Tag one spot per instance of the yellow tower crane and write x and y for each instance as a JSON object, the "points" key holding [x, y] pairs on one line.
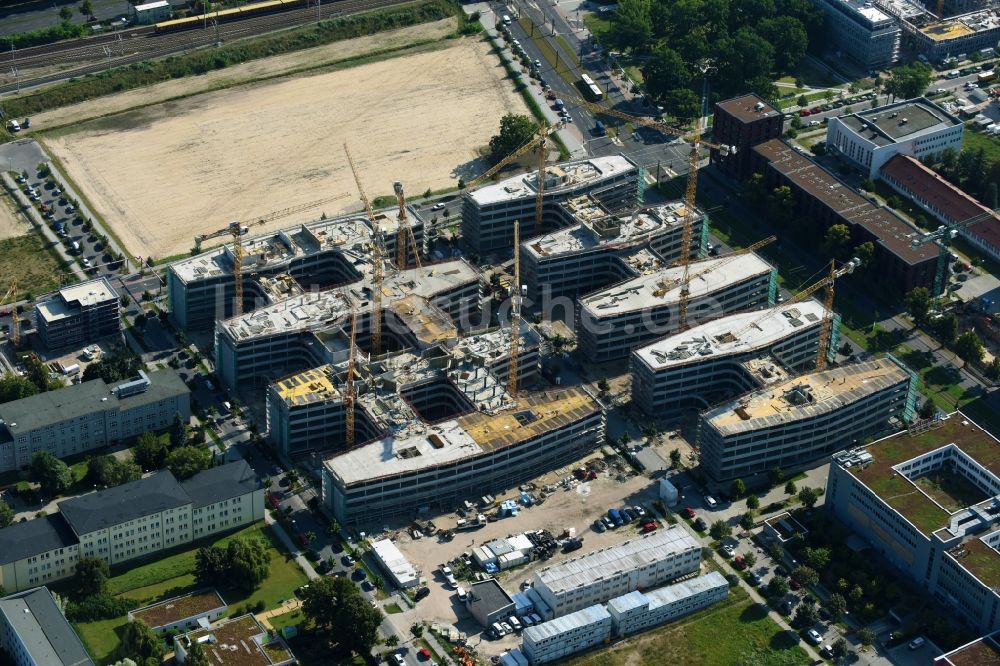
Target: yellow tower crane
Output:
{"points": [[405, 232], [15, 320], [515, 314], [350, 398], [827, 325], [237, 230], [376, 332], [690, 192]]}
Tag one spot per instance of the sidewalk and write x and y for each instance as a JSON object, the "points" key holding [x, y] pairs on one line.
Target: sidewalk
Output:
{"points": [[279, 531], [287, 606]]}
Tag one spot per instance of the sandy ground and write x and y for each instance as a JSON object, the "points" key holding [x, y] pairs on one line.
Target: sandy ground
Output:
{"points": [[11, 222], [578, 508], [245, 73], [163, 174]]}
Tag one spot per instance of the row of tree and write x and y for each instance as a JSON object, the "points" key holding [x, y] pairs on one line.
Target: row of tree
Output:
{"points": [[747, 42], [37, 378], [243, 564], [341, 615]]}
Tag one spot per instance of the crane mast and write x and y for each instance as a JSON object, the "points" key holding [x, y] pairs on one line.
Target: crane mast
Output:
{"points": [[540, 189], [15, 321], [405, 232], [515, 313], [376, 332], [349, 395]]}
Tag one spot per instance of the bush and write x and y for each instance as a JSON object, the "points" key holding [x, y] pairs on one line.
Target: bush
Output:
{"points": [[98, 607]]}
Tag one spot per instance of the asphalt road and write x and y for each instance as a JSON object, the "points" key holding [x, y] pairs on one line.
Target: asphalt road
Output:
{"points": [[28, 16]]}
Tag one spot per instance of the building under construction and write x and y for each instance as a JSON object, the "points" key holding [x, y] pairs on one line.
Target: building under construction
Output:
{"points": [[601, 246], [727, 357], [963, 26], [313, 256], [614, 321], [795, 422], [489, 212], [423, 307]]}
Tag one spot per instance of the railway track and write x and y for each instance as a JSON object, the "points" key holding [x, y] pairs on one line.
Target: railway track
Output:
{"points": [[104, 52]]}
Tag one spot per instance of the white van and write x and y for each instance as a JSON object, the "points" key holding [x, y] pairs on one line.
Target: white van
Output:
{"points": [[460, 591], [506, 20], [451, 581]]}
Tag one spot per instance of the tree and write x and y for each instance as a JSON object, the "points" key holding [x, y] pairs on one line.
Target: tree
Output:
{"points": [[321, 601], [664, 72], [947, 328], [186, 461], [781, 205], [515, 131], [866, 636], [969, 347], [87, 8], [918, 303], [359, 624], [675, 457], [6, 514], [802, 101], [808, 497], [15, 387], [720, 529], [790, 488], [840, 649], [682, 103], [865, 252], [107, 472], [417, 629], [248, 563], [992, 199], [53, 474], [631, 26], [806, 576], [817, 558], [837, 240], [66, 14], [150, 451], [392, 641], [121, 364], [92, 576], [746, 520], [908, 81], [777, 587], [806, 615], [776, 476], [750, 558], [138, 640], [196, 656], [178, 432], [789, 39], [753, 502], [737, 489], [603, 386], [993, 369], [836, 605], [210, 565]]}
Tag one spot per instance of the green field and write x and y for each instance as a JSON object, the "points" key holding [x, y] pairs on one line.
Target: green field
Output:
{"points": [[174, 575], [989, 144], [35, 266], [736, 631]]}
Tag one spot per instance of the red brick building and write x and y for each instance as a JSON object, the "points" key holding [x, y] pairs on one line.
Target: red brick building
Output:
{"points": [[743, 122]]}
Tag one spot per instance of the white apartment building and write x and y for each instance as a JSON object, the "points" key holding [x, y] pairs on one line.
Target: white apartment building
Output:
{"points": [[489, 212], [128, 522], [729, 356], [916, 127], [614, 321], [87, 416], [945, 543], [795, 422], [862, 32], [636, 611], [640, 563], [599, 247], [566, 635]]}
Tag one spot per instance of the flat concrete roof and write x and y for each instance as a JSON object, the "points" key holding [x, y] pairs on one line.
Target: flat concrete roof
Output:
{"points": [[301, 313], [69, 300], [424, 446], [558, 177], [719, 337], [962, 26], [894, 123], [664, 287], [598, 227], [805, 396], [582, 618], [748, 108]]}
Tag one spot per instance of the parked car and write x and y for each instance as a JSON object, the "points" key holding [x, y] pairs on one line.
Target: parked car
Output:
{"points": [[917, 643], [700, 524], [689, 513], [421, 593], [649, 527], [813, 636], [423, 654], [627, 515], [711, 502], [398, 659], [794, 584], [639, 511], [599, 526], [347, 560]]}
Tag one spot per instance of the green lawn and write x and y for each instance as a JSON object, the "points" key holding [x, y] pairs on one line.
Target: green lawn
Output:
{"points": [[174, 575], [735, 631], [33, 263], [279, 622], [597, 26]]}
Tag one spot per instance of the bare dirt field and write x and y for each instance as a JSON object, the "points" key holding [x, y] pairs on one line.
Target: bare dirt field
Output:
{"points": [[162, 174], [577, 508], [12, 223]]}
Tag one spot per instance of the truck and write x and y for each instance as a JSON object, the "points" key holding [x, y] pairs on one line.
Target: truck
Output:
{"points": [[471, 524], [986, 77]]}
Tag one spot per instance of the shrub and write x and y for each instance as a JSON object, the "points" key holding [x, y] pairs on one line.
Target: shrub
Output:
{"points": [[98, 607]]}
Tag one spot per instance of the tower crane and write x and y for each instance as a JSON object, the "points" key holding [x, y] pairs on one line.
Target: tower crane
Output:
{"points": [[237, 230], [515, 313], [405, 230], [943, 236], [349, 395], [827, 324], [15, 321], [376, 332], [690, 191]]}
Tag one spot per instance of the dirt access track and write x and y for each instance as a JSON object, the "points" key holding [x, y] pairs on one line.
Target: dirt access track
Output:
{"points": [[162, 174]]}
